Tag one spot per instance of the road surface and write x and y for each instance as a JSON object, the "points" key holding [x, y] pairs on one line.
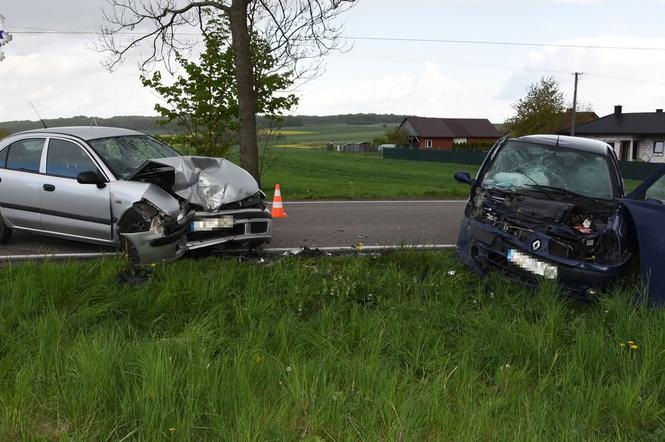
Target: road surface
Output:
{"points": [[317, 224]]}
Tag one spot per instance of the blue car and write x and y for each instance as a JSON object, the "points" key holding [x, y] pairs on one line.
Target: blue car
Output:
{"points": [[553, 207]]}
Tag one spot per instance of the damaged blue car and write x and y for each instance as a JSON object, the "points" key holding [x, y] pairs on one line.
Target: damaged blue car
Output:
{"points": [[553, 207]]}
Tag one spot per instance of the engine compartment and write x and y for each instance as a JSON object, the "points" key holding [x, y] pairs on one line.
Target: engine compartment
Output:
{"points": [[577, 228]]}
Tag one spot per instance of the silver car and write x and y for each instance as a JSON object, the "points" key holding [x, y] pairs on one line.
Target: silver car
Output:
{"points": [[121, 187]]}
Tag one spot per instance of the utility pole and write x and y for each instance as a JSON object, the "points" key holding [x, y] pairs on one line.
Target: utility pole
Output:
{"points": [[572, 124]]}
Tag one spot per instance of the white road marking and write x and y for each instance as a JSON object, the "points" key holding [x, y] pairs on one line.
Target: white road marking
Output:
{"points": [[375, 202], [278, 250], [56, 256], [335, 249]]}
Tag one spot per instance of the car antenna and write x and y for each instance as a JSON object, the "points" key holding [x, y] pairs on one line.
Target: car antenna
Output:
{"points": [[38, 116], [557, 140]]}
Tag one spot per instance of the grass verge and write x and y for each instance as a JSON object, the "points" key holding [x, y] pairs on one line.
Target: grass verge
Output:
{"points": [[376, 348]]}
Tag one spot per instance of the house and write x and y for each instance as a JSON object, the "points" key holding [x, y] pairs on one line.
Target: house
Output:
{"points": [[580, 118], [444, 133], [635, 136]]}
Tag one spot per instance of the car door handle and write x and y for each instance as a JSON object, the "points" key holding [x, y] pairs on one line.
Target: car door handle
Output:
{"points": [[48, 187]]}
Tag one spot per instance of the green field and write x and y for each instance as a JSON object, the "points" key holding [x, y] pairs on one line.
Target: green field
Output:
{"points": [[392, 347], [306, 171], [319, 135], [316, 174]]}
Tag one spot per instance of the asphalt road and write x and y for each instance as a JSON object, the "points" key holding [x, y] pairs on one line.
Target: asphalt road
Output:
{"points": [[317, 224]]}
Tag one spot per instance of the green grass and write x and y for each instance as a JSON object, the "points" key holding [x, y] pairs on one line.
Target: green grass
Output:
{"points": [[373, 348], [316, 174]]}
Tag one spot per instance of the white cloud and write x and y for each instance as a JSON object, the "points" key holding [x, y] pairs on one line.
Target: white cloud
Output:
{"points": [[69, 81], [632, 78], [423, 90]]}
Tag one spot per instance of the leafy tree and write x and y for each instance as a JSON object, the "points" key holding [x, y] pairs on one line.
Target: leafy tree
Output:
{"points": [[298, 32], [204, 102], [377, 141], [397, 136], [541, 110]]}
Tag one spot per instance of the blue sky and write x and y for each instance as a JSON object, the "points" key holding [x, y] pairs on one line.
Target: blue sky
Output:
{"points": [[63, 77]]}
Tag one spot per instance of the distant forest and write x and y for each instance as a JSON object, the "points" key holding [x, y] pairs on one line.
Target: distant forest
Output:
{"points": [[152, 126]]}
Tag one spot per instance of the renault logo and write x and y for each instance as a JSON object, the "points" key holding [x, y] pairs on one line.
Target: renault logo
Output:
{"points": [[535, 246]]}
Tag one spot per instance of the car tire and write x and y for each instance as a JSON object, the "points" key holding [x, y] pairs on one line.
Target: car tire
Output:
{"points": [[5, 232], [131, 222]]}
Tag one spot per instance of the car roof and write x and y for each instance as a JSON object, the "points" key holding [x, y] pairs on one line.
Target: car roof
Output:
{"points": [[84, 132], [577, 143]]}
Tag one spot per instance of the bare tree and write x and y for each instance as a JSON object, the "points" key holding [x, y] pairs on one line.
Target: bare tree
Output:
{"points": [[299, 33]]}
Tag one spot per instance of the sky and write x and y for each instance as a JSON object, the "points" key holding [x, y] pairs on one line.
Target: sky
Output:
{"points": [[64, 76]]}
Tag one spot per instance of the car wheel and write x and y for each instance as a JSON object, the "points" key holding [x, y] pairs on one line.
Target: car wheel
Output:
{"points": [[131, 222], [5, 232]]}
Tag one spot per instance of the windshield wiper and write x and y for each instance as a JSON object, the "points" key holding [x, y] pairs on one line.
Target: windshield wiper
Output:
{"points": [[561, 191]]}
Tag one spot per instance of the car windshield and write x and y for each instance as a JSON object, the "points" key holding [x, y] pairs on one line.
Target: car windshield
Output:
{"points": [[124, 154], [520, 165]]}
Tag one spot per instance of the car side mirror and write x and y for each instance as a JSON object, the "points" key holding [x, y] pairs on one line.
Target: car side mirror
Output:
{"points": [[464, 177], [91, 177]]}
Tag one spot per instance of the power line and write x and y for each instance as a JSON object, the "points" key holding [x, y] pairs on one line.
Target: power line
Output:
{"points": [[37, 31], [546, 70], [508, 43]]}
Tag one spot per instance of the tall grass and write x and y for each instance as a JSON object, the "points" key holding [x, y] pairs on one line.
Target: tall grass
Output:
{"points": [[374, 348]]}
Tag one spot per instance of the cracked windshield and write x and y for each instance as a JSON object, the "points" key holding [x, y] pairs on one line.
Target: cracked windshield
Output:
{"points": [[522, 165]]}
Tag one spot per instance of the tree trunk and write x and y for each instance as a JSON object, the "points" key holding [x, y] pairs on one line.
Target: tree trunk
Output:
{"points": [[249, 149]]}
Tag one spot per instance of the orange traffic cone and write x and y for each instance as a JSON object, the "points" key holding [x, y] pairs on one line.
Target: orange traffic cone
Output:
{"points": [[277, 207]]}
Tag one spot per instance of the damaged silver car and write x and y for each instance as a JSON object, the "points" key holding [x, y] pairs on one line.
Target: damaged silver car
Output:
{"points": [[120, 187]]}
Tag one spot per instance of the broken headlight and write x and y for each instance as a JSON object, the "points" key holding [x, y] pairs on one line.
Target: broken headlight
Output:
{"points": [[254, 201]]}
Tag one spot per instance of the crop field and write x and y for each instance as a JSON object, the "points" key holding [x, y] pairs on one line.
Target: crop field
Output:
{"points": [[319, 135], [405, 346]]}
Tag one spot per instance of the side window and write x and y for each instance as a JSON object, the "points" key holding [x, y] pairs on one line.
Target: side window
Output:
{"points": [[657, 190], [25, 155], [67, 159], [3, 156]]}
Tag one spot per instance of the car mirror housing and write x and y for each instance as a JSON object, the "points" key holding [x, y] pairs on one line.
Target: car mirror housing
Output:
{"points": [[91, 177], [464, 177]]}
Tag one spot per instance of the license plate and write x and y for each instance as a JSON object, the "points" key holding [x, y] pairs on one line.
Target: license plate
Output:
{"points": [[532, 265], [203, 225]]}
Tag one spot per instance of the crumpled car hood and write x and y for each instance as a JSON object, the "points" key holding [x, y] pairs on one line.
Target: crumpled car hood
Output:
{"points": [[205, 181]]}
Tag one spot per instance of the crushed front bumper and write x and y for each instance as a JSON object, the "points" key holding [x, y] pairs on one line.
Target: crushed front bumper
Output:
{"points": [[241, 226], [153, 247], [484, 248]]}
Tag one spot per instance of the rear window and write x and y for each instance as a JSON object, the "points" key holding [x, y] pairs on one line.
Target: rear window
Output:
{"points": [[25, 155]]}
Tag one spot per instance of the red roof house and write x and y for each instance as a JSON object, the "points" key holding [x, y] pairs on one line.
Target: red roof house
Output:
{"points": [[444, 133]]}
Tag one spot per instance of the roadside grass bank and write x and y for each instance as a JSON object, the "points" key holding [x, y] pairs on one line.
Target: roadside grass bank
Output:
{"points": [[393, 347], [306, 174]]}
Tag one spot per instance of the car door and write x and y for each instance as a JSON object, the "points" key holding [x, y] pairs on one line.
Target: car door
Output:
{"points": [[67, 206], [646, 205], [20, 182]]}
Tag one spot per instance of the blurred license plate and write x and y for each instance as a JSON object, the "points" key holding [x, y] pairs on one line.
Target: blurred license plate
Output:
{"points": [[532, 265], [224, 222]]}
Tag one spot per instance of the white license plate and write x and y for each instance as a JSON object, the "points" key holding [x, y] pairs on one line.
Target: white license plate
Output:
{"points": [[224, 222], [532, 265]]}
